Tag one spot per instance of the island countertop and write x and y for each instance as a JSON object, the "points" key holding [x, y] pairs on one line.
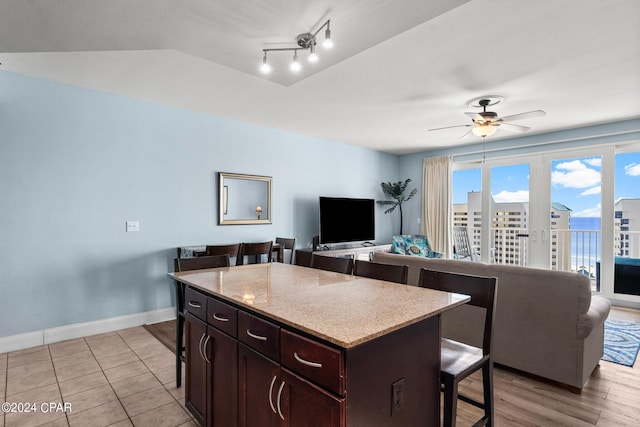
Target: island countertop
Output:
{"points": [[342, 309]]}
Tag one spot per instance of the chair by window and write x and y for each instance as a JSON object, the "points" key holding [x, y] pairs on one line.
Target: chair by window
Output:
{"points": [[303, 258], [286, 244], [461, 245], [329, 263], [254, 252], [459, 360], [186, 264], [375, 270]]}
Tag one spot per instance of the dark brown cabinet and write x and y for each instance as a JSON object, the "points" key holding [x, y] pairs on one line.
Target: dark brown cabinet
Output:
{"points": [[273, 396], [258, 388], [197, 390], [247, 370], [304, 404], [211, 392]]}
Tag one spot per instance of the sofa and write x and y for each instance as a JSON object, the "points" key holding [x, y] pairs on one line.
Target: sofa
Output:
{"points": [[547, 323]]}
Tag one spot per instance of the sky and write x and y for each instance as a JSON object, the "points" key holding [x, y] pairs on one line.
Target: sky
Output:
{"points": [[574, 182]]}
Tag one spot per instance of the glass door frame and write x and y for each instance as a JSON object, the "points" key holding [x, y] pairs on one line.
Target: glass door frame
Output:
{"points": [[539, 250]]}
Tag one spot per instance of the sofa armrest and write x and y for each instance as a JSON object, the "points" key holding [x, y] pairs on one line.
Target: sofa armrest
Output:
{"points": [[598, 312]]}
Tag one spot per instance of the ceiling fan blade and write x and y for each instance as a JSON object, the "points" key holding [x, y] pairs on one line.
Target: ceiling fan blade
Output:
{"points": [[464, 136], [521, 116], [514, 128], [451, 127], [475, 117]]}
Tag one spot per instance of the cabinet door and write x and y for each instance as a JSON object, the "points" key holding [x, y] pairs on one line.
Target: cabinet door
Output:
{"points": [[223, 351], [196, 391], [305, 404], [258, 384]]}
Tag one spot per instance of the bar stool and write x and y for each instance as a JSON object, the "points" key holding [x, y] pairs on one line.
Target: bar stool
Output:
{"points": [[459, 360]]}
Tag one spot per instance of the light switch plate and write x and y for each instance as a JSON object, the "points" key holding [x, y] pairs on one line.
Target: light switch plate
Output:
{"points": [[133, 226]]}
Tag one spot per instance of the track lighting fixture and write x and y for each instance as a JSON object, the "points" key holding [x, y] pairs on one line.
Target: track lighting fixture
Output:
{"points": [[305, 41]]}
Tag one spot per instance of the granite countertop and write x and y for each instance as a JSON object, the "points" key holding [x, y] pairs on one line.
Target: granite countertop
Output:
{"points": [[342, 309]]}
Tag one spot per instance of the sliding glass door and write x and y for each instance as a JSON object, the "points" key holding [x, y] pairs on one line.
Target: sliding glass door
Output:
{"points": [[575, 210]]}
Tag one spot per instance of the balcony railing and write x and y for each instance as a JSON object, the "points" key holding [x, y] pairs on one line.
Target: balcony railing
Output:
{"points": [[571, 249]]}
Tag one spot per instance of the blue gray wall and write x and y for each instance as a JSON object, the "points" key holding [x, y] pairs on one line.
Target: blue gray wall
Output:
{"points": [[75, 164]]}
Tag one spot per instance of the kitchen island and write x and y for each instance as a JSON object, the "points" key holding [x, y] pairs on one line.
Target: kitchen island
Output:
{"points": [[278, 344]]}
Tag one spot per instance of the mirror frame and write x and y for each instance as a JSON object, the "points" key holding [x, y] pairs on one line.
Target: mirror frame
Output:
{"points": [[222, 194]]}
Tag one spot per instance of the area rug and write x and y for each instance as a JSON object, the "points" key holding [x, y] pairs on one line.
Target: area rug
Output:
{"points": [[165, 332], [621, 341]]}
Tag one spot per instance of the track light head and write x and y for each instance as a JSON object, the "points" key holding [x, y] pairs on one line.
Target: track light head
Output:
{"points": [[327, 43], [265, 67], [295, 65]]}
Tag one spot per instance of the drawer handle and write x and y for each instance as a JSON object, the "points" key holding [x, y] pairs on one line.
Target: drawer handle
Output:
{"points": [[279, 400], [194, 304], [258, 337], [306, 362], [219, 318], [273, 381]]}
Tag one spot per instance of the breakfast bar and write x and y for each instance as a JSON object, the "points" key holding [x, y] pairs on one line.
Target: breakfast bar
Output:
{"points": [[278, 344]]}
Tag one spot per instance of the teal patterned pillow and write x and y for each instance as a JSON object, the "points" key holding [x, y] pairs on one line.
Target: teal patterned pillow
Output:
{"points": [[412, 245]]}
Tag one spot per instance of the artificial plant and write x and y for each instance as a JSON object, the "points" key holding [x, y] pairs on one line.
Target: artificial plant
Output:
{"points": [[397, 192]]}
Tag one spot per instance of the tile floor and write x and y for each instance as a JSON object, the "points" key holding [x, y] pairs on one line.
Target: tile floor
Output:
{"points": [[122, 378]]}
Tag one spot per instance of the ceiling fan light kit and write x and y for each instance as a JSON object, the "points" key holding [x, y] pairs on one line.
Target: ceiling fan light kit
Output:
{"points": [[305, 41], [486, 123]]}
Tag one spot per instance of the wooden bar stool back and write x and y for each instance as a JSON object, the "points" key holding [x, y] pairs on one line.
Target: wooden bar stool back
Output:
{"points": [[285, 244], [231, 250], [330, 263], [254, 252], [375, 270], [459, 360]]}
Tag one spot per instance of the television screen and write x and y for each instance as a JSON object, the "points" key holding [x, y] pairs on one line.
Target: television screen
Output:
{"points": [[346, 220]]}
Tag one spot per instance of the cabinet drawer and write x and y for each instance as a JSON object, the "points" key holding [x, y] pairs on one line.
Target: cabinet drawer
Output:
{"points": [[222, 316], [259, 334], [317, 362], [195, 303]]}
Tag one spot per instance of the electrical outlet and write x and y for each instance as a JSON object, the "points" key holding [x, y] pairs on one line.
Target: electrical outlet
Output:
{"points": [[397, 396], [133, 226]]}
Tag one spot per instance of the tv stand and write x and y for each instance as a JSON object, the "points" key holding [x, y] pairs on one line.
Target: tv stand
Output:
{"points": [[361, 252]]}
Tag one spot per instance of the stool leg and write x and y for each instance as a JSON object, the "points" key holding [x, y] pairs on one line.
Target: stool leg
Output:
{"points": [[450, 401], [487, 386], [179, 347]]}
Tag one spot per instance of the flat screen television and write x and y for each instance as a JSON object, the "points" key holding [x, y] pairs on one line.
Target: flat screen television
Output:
{"points": [[346, 220]]}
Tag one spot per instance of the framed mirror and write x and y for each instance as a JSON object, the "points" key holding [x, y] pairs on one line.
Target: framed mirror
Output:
{"points": [[244, 199]]}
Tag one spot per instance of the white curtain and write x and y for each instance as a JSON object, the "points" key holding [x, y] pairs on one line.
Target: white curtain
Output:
{"points": [[436, 203]]}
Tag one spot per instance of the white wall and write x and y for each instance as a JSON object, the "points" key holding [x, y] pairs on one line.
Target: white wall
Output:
{"points": [[75, 164]]}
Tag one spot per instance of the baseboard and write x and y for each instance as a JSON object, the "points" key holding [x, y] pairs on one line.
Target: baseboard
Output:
{"points": [[77, 330]]}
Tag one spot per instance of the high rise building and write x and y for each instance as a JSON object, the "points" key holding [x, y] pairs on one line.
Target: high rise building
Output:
{"points": [[510, 223], [627, 228]]}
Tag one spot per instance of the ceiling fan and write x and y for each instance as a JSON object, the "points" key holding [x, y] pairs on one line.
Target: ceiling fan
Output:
{"points": [[486, 123]]}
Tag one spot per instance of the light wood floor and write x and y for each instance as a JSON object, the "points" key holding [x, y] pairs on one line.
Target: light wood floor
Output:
{"points": [[611, 397]]}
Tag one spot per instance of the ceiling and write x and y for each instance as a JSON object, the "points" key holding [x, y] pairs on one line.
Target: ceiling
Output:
{"points": [[397, 68]]}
